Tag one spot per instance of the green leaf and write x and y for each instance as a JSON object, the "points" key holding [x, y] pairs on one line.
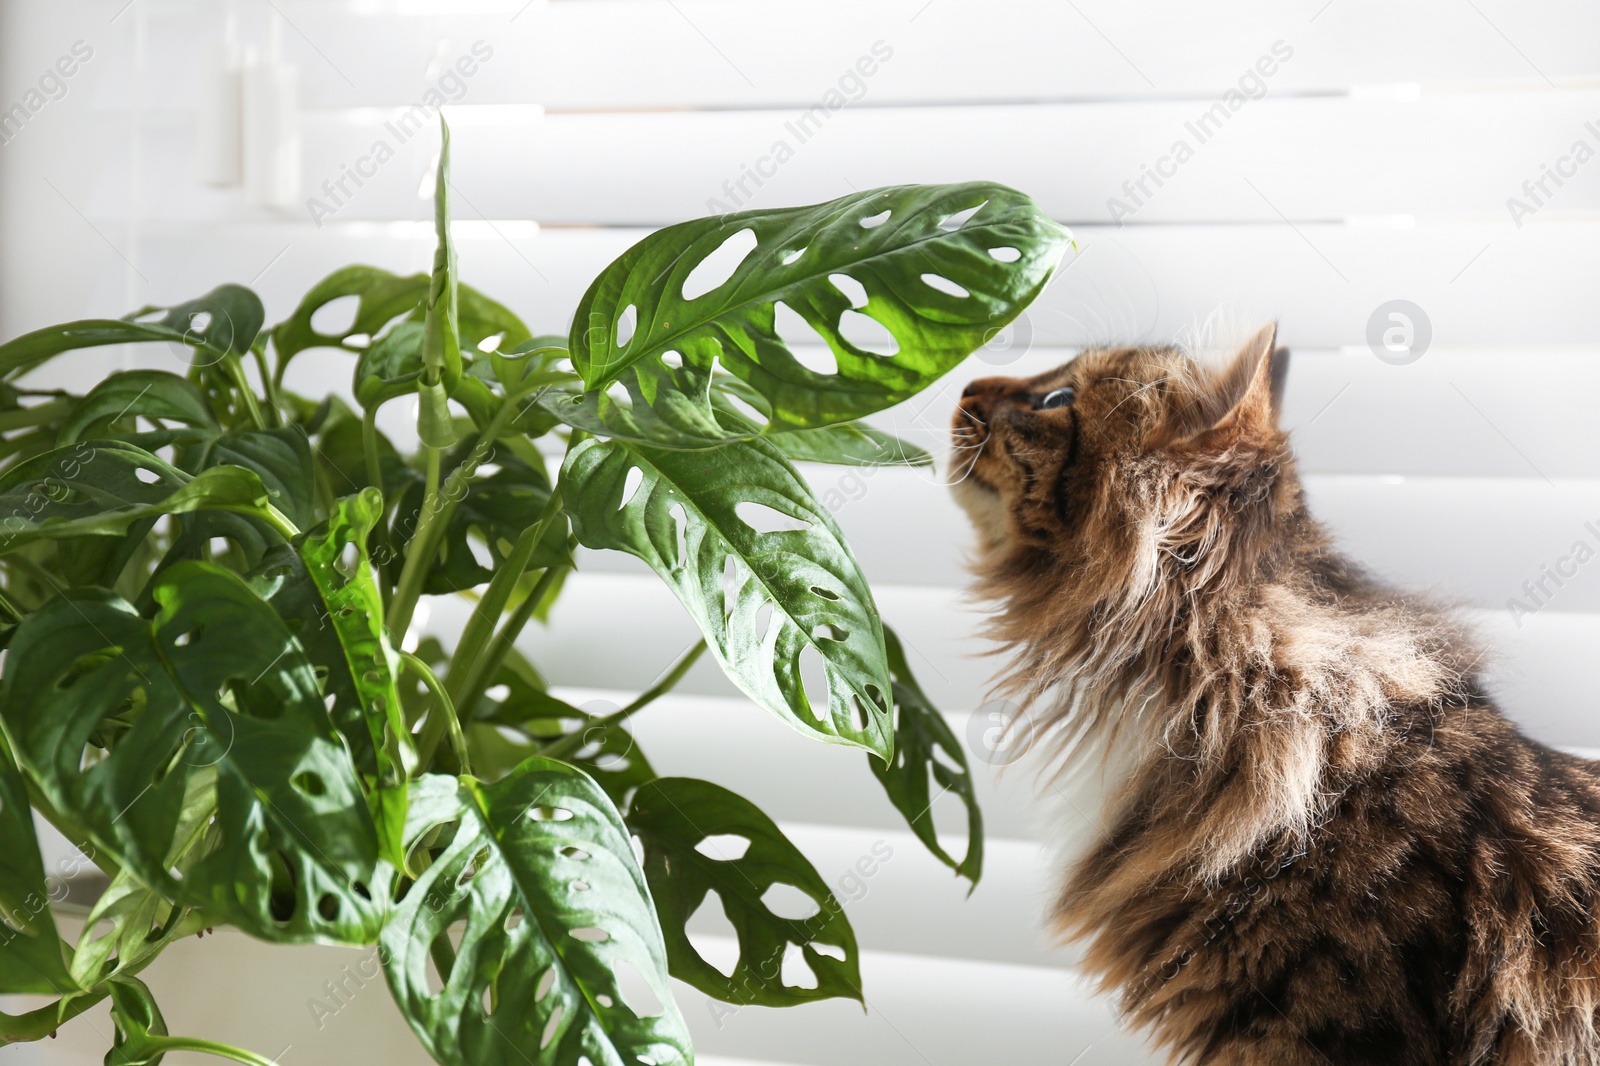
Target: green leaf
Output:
{"points": [[441, 345], [223, 322], [152, 394], [280, 457], [335, 555], [106, 488], [504, 732], [890, 241], [673, 816], [213, 692], [925, 747], [381, 298], [541, 871], [683, 520], [31, 952], [850, 444], [138, 1025]]}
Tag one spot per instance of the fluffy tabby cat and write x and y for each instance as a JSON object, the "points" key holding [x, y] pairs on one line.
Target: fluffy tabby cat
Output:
{"points": [[1326, 845]]}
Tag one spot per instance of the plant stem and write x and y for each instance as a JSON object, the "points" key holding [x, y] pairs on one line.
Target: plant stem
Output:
{"points": [[464, 665], [40, 1023], [272, 516], [425, 542], [268, 386], [206, 1047], [565, 746], [441, 717], [42, 415], [235, 369], [484, 669]]}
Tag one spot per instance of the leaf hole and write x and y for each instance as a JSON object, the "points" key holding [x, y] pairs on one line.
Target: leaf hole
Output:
{"points": [[797, 971], [672, 360], [605, 1000], [832, 951], [765, 519], [944, 285], [713, 936], [549, 814], [627, 324], [590, 934], [814, 681], [1005, 254], [183, 640], [498, 692], [149, 477], [218, 546], [336, 317], [868, 334], [829, 631], [199, 322], [580, 886], [492, 342], [853, 290], [630, 485], [724, 847], [358, 340], [951, 223], [577, 854], [793, 257], [546, 983], [309, 783], [328, 907], [787, 901], [716, 269], [680, 522], [874, 221], [636, 992], [552, 1025]]}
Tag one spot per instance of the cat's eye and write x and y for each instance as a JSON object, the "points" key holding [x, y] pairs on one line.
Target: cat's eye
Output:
{"points": [[1057, 398]]}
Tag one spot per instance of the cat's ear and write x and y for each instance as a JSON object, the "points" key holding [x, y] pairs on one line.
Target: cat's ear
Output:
{"points": [[1242, 405]]}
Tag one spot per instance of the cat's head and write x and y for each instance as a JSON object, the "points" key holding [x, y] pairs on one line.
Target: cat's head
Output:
{"points": [[1123, 485]]}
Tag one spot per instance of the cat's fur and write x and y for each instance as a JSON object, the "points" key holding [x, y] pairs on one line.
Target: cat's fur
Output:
{"points": [[1327, 846]]}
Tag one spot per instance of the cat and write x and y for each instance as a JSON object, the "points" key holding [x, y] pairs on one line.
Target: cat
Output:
{"points": [[1325, 846]]}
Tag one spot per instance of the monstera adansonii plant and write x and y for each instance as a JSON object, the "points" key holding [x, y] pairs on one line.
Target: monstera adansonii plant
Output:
{"points": [[207, 582]]}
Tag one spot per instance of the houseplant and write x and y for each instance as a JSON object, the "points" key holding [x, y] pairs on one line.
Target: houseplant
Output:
{"points": [[206, 580]]}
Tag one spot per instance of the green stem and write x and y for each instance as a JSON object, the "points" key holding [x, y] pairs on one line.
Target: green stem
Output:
{"points": [[423, 545], [235, 369], [425, 542], [464, 665], [565, 746], [272, 516], [40, 1023], [487, 665], [42, 415], [268, 386], [441, 717], [206, 1047]]}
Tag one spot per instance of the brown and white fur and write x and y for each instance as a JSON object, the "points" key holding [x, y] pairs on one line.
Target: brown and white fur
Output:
{"points": [[1326, 845]]}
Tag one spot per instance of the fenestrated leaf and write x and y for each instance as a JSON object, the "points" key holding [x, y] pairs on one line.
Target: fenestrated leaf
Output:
{"points": [[925, 747], [32, 958], [381, 298], [850, 444], [541, 871], [335, 555], [683, 520], [503, 732], [106, 488], [152, 394], [223, 322], [673, 817], [938, 280], [213, 692]]}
